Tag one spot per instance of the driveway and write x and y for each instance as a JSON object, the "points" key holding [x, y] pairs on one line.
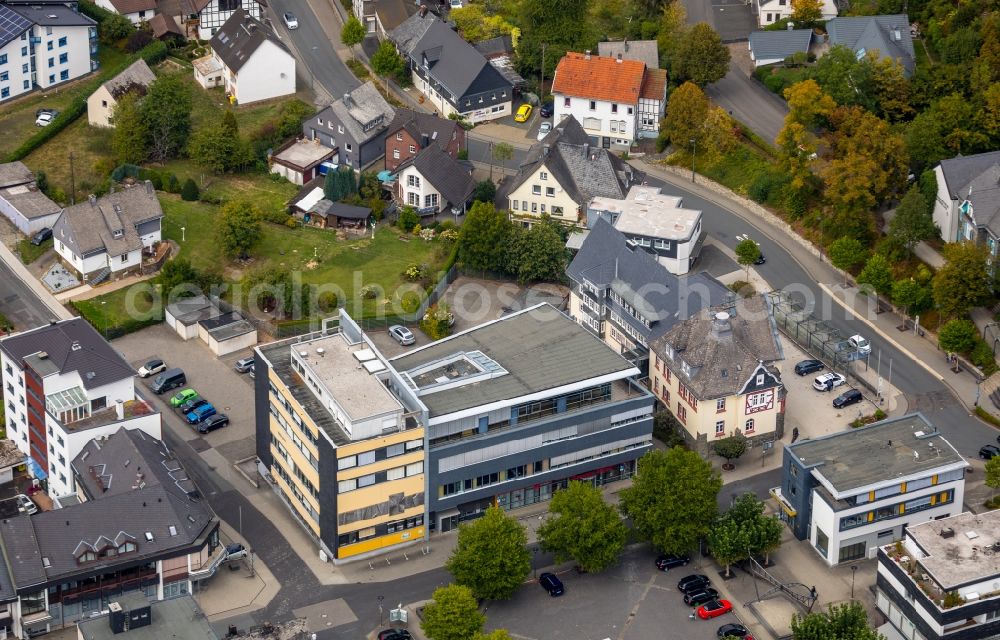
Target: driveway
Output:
{"points": [[750, 102]]}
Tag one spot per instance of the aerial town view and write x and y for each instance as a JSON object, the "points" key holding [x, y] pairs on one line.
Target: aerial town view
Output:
{"points": [[500, 319]]}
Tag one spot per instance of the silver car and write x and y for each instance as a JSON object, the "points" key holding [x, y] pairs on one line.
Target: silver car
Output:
{"points": [[291, 21], [402, 335], [243, 365]]}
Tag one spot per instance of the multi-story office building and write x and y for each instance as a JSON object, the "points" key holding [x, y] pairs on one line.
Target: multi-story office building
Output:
{"points": [[943, 581], [851, 492], [371, 452], [64, 386]]}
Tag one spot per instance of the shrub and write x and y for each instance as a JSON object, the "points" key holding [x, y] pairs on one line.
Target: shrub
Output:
{"points": [[368, 292], [445, 225], [958, 336], [667, 430], [435, 322], [410, 302], [463, 154], [291, 222], [156, 181], [138, 40], [743, 288], [982, 356], [408, 219], [189, 191], [415, 272], [173, 184], [275, 216], [327, 301]]}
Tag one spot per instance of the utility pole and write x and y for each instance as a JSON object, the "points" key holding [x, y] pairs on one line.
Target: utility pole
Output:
{"points": [[72, 181], [541, 85]]}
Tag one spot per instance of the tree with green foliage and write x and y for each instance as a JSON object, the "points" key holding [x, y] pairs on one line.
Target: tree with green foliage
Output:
{"points": [[841, 622], [386, 62], [583, 528], [238, 227], [877, 275], [993, 473], [537, 254], [496, 634], [728, 541], [702, 57], [476, 24], [491, 557], [115, 27], [672, 500], [846, 253], [178, 278], [730, 447], [747, 252], [332, 187], [453, 614], [744, 529], [912, 222], [408, 219], [131, 131], [189, 192], [484, 238], [913, 296], [166, 109], [958, 335], [218, 148], [845, 78], [353, 33], [561, 25], [964, 280], [485, 191], [502, 151], [672, 29]]}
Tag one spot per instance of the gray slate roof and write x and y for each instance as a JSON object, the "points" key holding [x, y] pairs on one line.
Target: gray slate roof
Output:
{"points": [[192, 309], [89, 226], [348, 211], [978, 179], [175, 618], [890, 35], [54, 15], [540, 348], [418, 123], [499, 46], [644, 51], [137, 76], [447, 175], [238, 38], [608, 260], [723, 356], [365, 104], [768, 45], [409, 33], [14, 173], [96, 361]]}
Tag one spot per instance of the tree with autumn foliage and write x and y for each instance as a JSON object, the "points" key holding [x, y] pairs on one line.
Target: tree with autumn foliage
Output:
{"points": [[687, 110], [808, 104], [808, 109]]}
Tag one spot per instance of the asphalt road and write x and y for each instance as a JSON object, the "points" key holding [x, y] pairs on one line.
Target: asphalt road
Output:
{"points": [[19, 303], [750, 102], [479, 151]]}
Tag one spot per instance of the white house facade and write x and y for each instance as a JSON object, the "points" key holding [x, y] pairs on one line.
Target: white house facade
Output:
{"points": [[771, 11], [253, 63]]}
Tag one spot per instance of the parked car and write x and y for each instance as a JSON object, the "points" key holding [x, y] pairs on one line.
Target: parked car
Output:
{"points": [[169, 379], [700, 597], [987, 451], [552, 584], [692, 583], [714, 609], [828, 381], [860, 344], [217, 421], [235, 551], [43, 234], [182, 397], [200, 413], [253, 371], [26, 504], [806, 367], [402, 335], [849, 397], [153, 366], [523, 113], [394, 634], [290, 20], [45, 118], [669, 561], [192, 404], [544, 130], [546, 110], [734, 631], [243, 364]]}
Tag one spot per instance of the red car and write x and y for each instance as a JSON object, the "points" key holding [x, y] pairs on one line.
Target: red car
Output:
{"points": [[714, 609]]}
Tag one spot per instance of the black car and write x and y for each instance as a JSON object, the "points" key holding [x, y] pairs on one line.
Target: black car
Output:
{"points": [[191, 405], [552, 584], [692, 583], [217, 421], [670, 561], [698, 598], [806, 367], [760, 259], [43, 234], [394, 634], [734, 631], [849, 397], [988, 451], [546, 110]]}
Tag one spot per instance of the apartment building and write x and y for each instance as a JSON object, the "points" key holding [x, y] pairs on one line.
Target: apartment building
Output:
{"points": [[851, 492], [64, 386], [943, 581]]}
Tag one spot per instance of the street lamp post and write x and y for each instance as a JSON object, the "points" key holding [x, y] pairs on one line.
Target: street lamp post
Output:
{"points": [[380, 599], [105, 316], [694, 150], [854, 571], [182, 233]]}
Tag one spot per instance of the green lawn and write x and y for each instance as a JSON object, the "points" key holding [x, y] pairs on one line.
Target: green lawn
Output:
{"points": [[29, 252], [120, 311]]}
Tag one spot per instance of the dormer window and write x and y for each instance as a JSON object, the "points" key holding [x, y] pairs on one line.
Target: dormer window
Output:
{"points": [[760, 379], [686, 368], [118, 233], [86, 556], [126, 547]]}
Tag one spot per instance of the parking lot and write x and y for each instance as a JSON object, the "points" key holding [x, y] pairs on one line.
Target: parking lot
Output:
{"points": [[632, 601]]}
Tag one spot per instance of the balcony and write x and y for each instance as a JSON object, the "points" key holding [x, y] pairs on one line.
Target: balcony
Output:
{"points": [[904, 567]]}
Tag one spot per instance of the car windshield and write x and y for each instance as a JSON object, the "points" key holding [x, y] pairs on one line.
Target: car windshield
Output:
{"points": [[862, 343]]}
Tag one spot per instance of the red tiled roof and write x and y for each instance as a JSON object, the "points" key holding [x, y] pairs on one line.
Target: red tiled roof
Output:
{"points": [[598, 78], [654, 84]]}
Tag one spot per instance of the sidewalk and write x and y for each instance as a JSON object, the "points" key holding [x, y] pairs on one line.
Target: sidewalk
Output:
{"points": [[21, 273], [86, 292]]}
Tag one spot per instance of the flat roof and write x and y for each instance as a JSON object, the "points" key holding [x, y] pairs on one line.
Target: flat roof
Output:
{"points": [[969, 554], [517, 355], [879, 453], [647, 212], [232, 330], [29, 201], [304, 153], [176, 618]]}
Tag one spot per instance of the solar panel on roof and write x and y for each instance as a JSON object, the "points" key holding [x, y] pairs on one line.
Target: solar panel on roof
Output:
{"points": [[12, 25]]}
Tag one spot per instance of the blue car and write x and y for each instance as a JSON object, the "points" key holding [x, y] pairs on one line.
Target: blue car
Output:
{"points": [[200, 413]]}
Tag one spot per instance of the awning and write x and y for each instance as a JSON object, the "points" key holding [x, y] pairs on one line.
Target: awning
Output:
{"points": [[36, 469], [784, 504]]}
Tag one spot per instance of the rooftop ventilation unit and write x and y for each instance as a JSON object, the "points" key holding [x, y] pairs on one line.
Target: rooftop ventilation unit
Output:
{"points": [[320, 351], [947, 532]]}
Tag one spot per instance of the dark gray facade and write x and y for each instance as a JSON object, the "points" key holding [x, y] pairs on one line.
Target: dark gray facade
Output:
{"points": [[361, 154], [262, 413], [797, 485]]}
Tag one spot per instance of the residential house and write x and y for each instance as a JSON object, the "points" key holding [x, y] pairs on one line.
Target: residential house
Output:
{"points": [[355, 125], [940, 583], [213, 14], [626, 297], [889, 35], [644, 51], [716, 373], [410, 132], [654, 222], [106, 236], [773, 47], [143, 534], [10, 457], [177, 618], [851, 492], [967, 206], [165, 28], [43, 46], [500, 53], [137, 11], [22, 202], [64, 387], [101, 104], [248, 59], [561, 174], [299, 161], [369, 451], [433, 181], [449, 72], [389, 14], [771, 11], [616, 100]]}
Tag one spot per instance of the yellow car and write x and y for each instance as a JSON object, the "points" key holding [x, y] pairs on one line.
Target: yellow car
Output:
{"points": [[523, 113]]}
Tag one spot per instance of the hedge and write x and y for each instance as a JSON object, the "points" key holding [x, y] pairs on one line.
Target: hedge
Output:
{"points": [[152, 54]]}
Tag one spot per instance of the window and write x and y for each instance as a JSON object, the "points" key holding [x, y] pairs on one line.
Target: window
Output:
{"points": [[399, 136], [413, 181], [720, 427], [397, 473], [517, 472], [853, 551], [630, 110], [24, 68], [431, 200], [413, 199], [52, 78], [593, 105], [347, 485], [395, 154], [748, 425], [366, 481], [534, 207], [542, 175], [62, 40], [543, 207], [51, 44], [394, 450], [24, 51], [536, 190], [5, 92], [4, 76], [513, 204], [822, 541], [566, 102], [760, 379], [52, 62], [3, 58], [524, 205], [614, 109], [415, 468], [347, 463], [614, 126], [682, 413], [340, 128], [720, 405], [368, 457], [413, 149], [63, 58], [557, 211], [349, 149]]}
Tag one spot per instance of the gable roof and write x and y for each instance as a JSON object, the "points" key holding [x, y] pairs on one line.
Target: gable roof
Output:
{"points": [[93, 357], [452, 180], [392, 13], [723, 346], [645, 51], [976, 179], [418, 123], [91, 226], [599, 78], [12, 25], [768, 45], [15, 173], [133, 6], [137, 76], [890, 35], [162, 25], [499, 46], [411, 31], [608, 260], [364, 106], [239, 37], [654, 84]]}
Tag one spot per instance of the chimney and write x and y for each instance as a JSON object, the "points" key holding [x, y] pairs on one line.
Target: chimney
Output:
{"points": [[619, 60], [586, 149], [721, 327], [424, 140], [586, 54], [791, 25], [545, 150], [347, 99], [120, 409], [626, 45], [149, 187]]}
